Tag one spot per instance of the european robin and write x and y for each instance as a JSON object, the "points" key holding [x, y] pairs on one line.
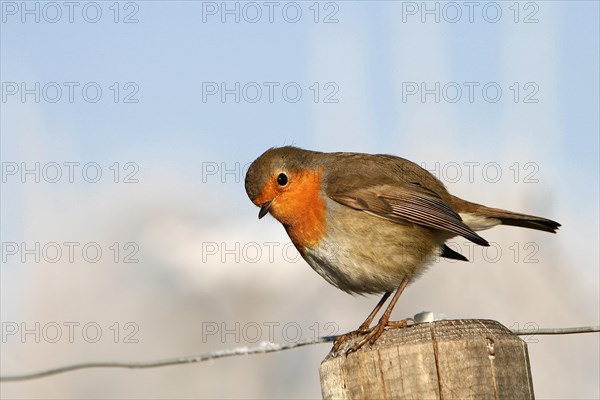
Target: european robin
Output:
{"points": [[368, 223]]}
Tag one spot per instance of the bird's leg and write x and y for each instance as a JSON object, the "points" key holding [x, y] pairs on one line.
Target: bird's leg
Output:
{"points": [[384, 321], [364, 327], [367, 323]]}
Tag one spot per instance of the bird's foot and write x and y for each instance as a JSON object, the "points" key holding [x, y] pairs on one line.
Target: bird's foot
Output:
{"points": [[362, 330], [374, 333]]}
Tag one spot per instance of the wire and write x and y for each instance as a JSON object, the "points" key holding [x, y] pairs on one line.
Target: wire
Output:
{"points": [[556, 331], [264, 347]]}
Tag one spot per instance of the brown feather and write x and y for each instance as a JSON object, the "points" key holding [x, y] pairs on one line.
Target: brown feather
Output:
{"points": [[506, 217], [408, 203]]}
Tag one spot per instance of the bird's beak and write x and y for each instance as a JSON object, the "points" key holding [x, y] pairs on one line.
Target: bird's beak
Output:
{"points": [[264, 209]]}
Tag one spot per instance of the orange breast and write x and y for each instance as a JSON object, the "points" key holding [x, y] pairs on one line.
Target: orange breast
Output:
{"points": [[301, 208]]}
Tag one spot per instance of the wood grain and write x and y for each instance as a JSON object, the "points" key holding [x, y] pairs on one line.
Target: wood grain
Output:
{"points": [[450, 359]]}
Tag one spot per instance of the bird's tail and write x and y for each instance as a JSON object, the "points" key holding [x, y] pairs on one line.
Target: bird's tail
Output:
{"points": [[479, 217]]}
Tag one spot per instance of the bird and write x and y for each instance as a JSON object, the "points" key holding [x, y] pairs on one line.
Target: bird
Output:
{"points": [[369, 223]]}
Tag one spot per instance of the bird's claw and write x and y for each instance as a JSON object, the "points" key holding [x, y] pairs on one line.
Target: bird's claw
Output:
{"points": [[371, 335], [341, 339]]}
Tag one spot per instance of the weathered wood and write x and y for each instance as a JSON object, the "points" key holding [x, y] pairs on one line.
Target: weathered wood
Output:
{"points": [[450, 359]]}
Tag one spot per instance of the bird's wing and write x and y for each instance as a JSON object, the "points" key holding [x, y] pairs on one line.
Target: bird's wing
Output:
{"points": [[408, 203]]}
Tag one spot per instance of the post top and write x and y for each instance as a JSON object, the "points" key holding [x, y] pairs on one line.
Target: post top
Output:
{"points": [[441, 331]]}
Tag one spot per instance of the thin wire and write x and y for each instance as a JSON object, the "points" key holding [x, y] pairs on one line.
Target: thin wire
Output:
{"points": [[556, 331], [263, 348]]}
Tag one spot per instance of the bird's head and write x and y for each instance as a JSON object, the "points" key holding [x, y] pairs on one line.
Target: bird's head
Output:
{"points": [[284, 181]]}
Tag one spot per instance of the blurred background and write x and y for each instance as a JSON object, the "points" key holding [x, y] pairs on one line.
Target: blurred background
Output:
{"points": [[127, 128]]}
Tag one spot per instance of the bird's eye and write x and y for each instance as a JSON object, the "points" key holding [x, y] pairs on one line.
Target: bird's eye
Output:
{"points": [[282, 179]]}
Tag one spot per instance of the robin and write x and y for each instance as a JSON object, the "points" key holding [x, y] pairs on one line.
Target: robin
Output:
{"points": [[369, 223]]}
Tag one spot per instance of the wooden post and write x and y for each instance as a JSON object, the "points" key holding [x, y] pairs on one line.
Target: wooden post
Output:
{"points": [[449, 359]]}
